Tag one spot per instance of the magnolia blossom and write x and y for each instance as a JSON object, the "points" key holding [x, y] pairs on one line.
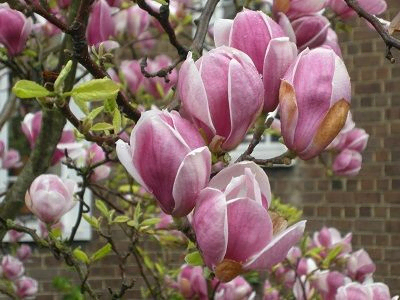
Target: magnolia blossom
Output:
{"points": [[101, 25], [14, 29], [347, 163], [31, 126], [241, 235], [222, 94], [50, 197], [360, 266], [311, 31], [11, 159], [168, 157], [299, 8], [327, 283], [313, 111], [27, 287], [95, 154], [192, 283], [236, 289], [11, 267], [132, 75], [24, 252], [331, 238]]}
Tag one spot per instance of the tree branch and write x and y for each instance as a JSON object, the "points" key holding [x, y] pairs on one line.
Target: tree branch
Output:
{"points": [[390, 41]]}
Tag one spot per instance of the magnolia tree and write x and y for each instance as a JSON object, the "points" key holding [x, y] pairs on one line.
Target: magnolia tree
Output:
{"points": [[152, 134]]}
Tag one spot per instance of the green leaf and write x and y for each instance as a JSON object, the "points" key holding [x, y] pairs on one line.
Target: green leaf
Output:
{"points": [[59, 83], [103, 251], [91, 220], [150, 221], [110, 105], [117, 120], [95, 112], [133, 223], [29, 89], [194, 259], [80, 255], [101, 206], [83, 106], [102, 126], [332, 254], [121, 219], [96, 89]]}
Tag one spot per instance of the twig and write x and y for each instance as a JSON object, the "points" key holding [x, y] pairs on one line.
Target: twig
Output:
{"points": [[284, 159], [164, 72], [390, 41], [202, 27], [163, 18]]}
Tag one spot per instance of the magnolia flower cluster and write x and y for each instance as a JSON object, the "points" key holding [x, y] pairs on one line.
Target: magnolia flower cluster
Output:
{"points": [[12, 272], [349, 144], [327, 268]]}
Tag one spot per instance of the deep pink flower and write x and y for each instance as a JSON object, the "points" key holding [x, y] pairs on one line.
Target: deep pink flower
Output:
{"points": [[314, 101], [347, 163], [311, 31], [101, 26], [14, 29], [192, 283], [11, 267], [240, 237], [168, 157], [27, 287], [222, 94], [341, 8], [360, 265]]}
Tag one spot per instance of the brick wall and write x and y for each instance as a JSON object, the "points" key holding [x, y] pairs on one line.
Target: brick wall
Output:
{"points": [[368, 205]]}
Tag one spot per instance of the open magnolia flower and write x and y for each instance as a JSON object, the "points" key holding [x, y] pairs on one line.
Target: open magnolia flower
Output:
{"points": [[242, 235]]}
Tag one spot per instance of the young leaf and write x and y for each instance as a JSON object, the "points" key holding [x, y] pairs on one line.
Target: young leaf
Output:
{"points": [[91, 220], [80, 255], [101, 206], [194, 259], [103, 251], [96, 89], [110, 105], [29, 89], [95, 112], [101, 126], [121, 219], [58, 84], [150, 221], [117, 120]]}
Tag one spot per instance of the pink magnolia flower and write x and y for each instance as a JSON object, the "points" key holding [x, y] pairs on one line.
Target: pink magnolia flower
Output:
{"points": [[270, 293], [95, 154], [50, 197], [14, 29], [31, 126], [353, 291], [222, 94], [311, 31], [330, 238], [27, 287], [313, 111], [192, 283], [250, 32], [347, 163], [341, 8], [130, 70], [340, 139], [11, 267], [241, 236], [133, 21], [157, 86], [236, 289], [355, 139], [168, 157], [327, 283], [101, 25], [332, 42], [360, 266], [24, 252]]}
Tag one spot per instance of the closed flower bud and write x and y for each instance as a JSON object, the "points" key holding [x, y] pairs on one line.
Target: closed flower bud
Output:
{"points": [[355, 139], [222, 94], [50, 197], [130, 70], [347, 163], [27, 287], [168, 157], [101, 25], [11, 159], [240, 237], [311, 31], [11, 267], [94, 155], [250, 32], [314, 101], [236, 289], [299, 8], [14, 30]]}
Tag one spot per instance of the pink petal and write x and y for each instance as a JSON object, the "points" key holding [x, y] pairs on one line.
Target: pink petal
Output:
{"points": [[222, 31], [277, 249]]}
